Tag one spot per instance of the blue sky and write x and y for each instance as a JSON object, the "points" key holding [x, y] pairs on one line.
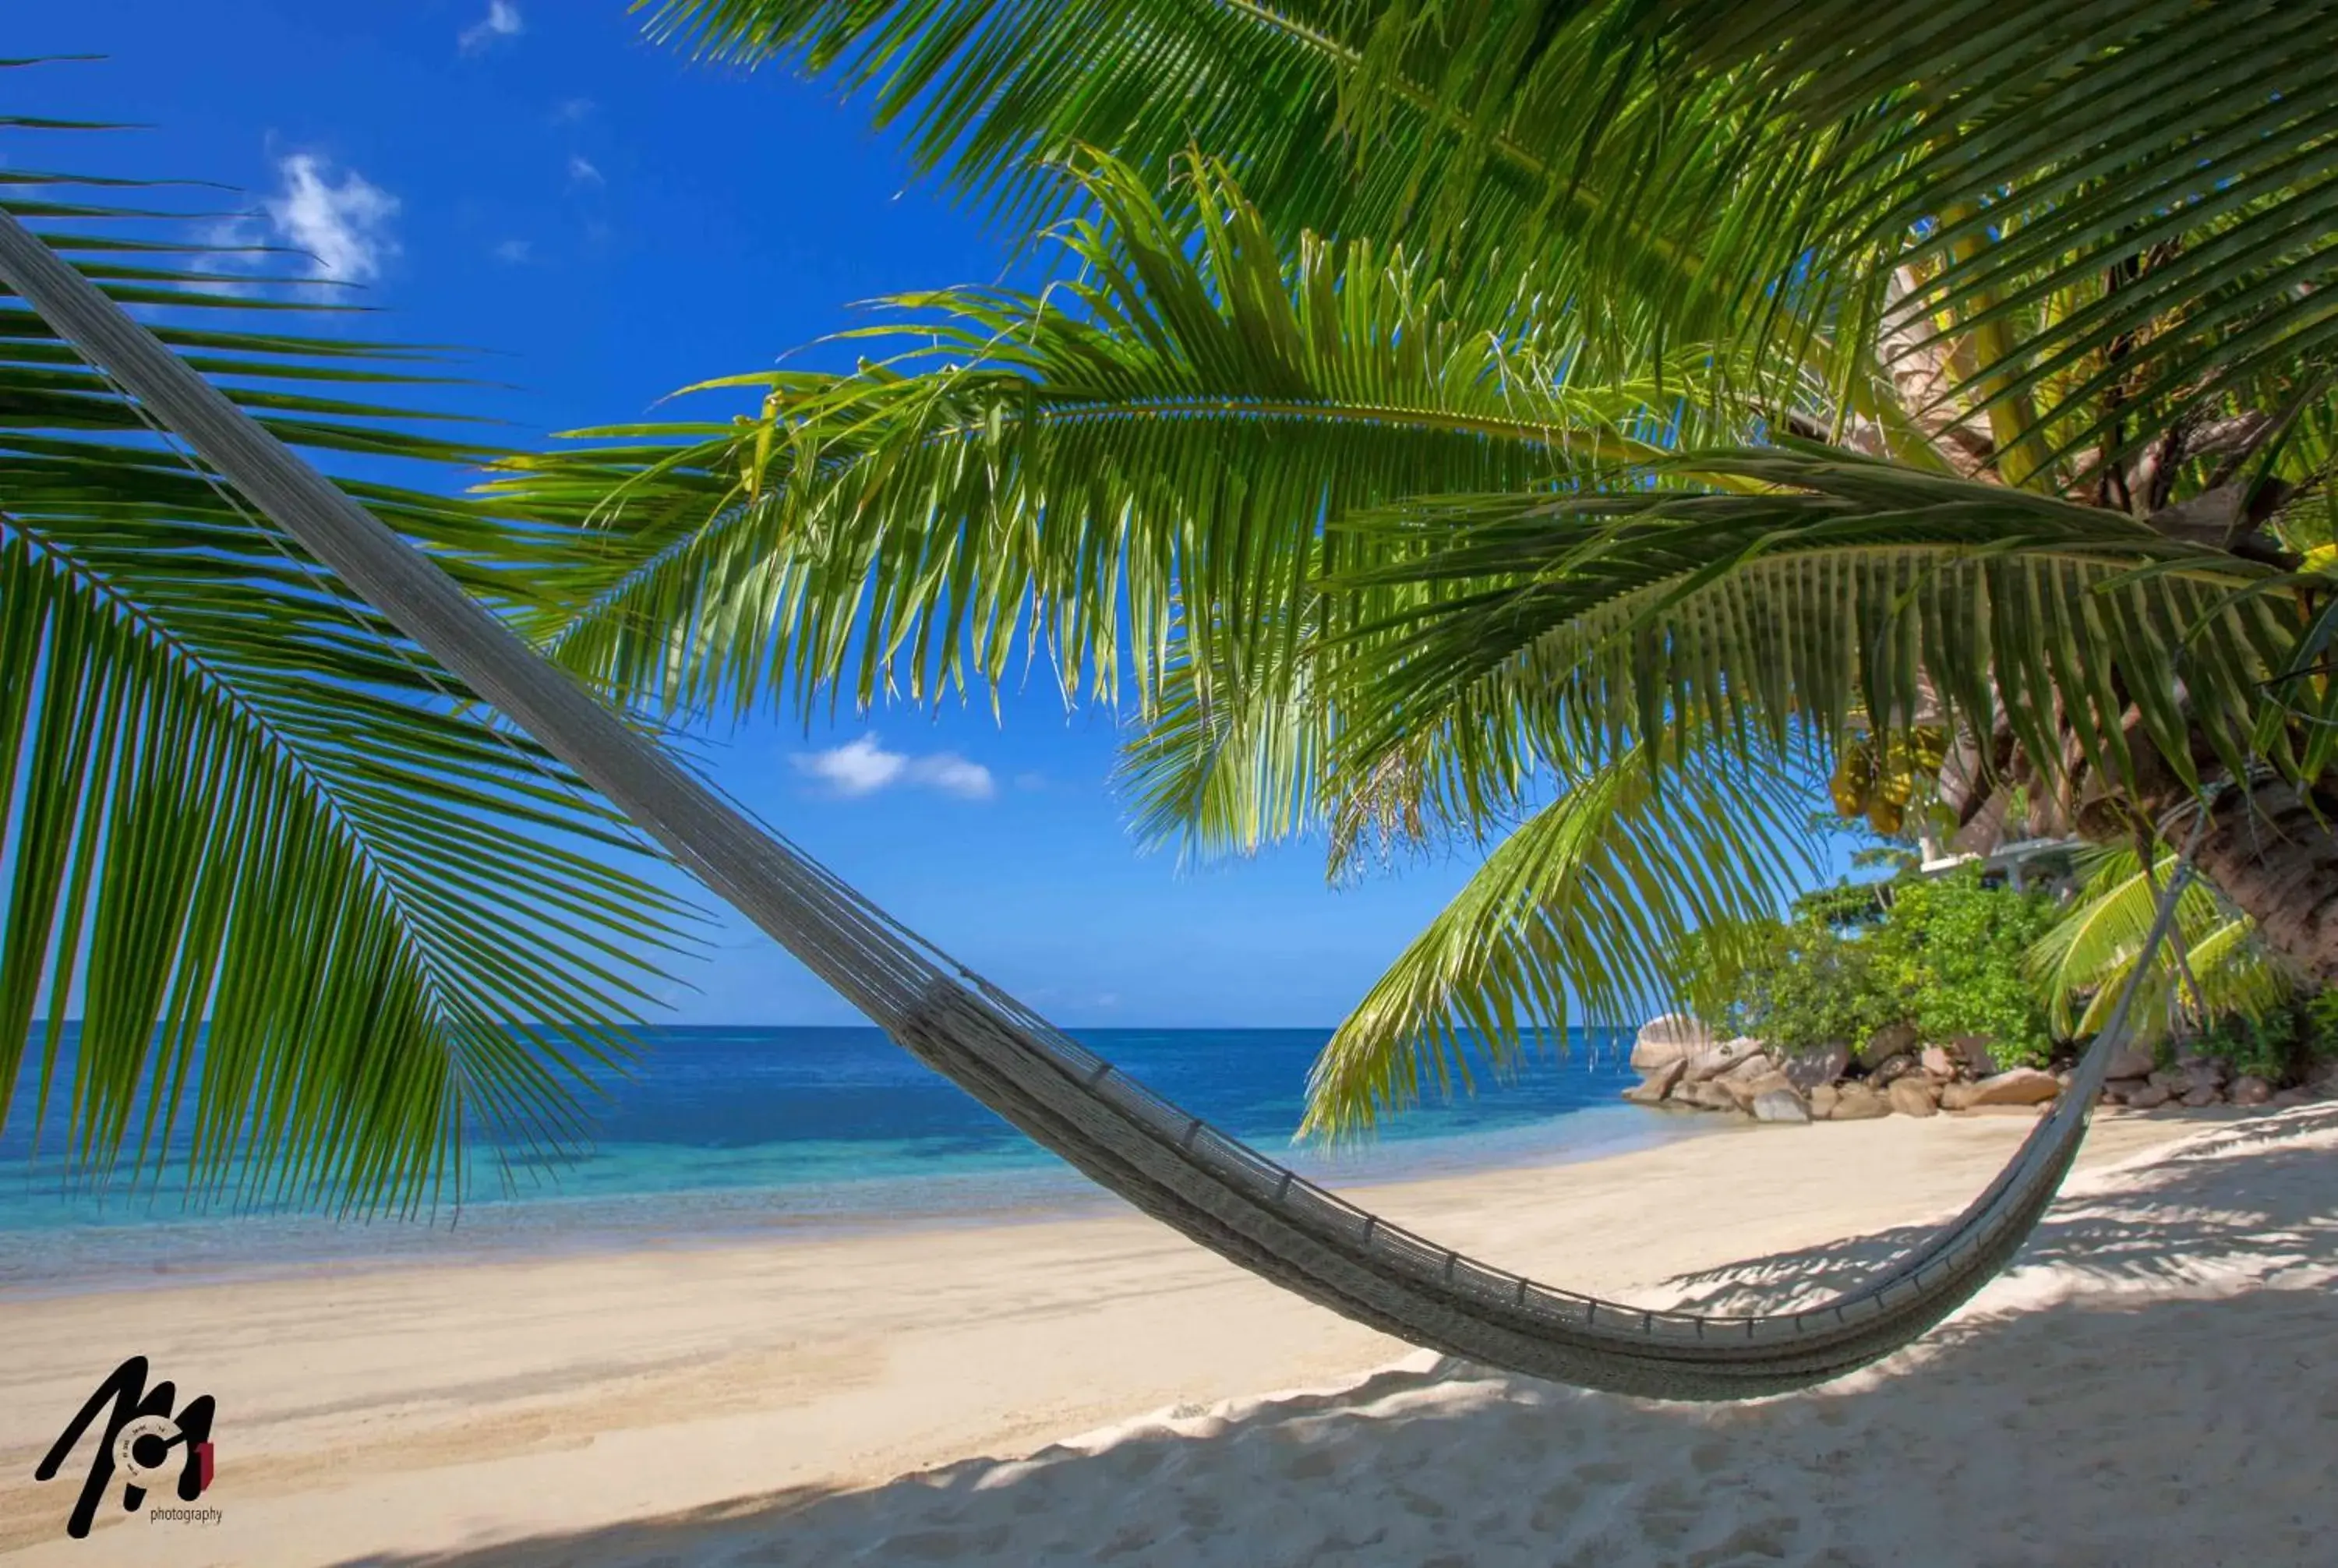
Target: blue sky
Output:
{"points": [[605, 222]]}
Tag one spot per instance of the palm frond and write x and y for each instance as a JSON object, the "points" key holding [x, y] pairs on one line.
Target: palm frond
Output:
{"points": [[2116, 220], [2107, 229], [1229, 761], [1851, 595], [1329, 131], [2083, 961], [1569, 919], [2126, 210], [1145, 457], [326, 930]]}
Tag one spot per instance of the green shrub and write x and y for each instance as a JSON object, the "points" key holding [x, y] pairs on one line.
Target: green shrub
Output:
{"points": [[2280, 1047], [1952, 950], [2262, 1047], [1825, 988], [2321, 1011], [1944, 957]]}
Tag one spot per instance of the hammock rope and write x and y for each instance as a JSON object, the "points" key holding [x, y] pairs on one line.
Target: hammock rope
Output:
{"points": [[1219, 1191]]}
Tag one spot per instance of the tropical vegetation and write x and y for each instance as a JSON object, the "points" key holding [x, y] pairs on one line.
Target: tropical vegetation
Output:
{"points": [[1870, 966], [1914, 959], [2281, 1045], [1579, 429], [2214, 969], [322, 925], [1576, 427]]}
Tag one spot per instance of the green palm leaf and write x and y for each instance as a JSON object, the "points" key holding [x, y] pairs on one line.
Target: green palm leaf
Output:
{"points": [[2116, 219], [323, 926], [2088, 955], [1570, 918], [2107, 227], [1291, 94], [1853, 596], [1334, 125], [2128, 210], [1137, 460]]}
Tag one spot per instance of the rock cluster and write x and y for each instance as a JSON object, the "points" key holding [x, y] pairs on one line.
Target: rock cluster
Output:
{"points": [[1667, 1040], [1682, 1063], [2197, 1082]]}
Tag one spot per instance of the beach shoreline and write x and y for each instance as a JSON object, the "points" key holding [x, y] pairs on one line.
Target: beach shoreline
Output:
{"points": [[775, 1135], [397, 1413], [146, 1253]]}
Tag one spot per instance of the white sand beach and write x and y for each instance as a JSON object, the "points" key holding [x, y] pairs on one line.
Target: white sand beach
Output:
{"points": [[2152, 1383]]}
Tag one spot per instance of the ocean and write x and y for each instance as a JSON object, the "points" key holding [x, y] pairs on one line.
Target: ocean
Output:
{"points": [[722, 1133]]}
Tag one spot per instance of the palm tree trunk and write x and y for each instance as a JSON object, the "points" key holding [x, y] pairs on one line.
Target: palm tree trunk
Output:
{"points": [[2274, 853], [2272, 850]]}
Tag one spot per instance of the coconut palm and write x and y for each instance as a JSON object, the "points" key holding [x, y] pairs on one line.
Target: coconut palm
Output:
{"points": [[323, 926], [2219, 969], [1587, 422]]}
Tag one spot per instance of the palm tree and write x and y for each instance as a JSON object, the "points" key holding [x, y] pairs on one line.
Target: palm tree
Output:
{"points": [[1588, 422], [323, 925], [2216, 968]]}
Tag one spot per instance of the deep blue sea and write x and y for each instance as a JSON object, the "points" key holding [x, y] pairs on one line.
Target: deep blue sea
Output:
{"points": [[725, 1132]]}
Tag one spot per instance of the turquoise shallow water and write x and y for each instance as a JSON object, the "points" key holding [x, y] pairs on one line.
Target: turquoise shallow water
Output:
{"points": [[722, 1133]]}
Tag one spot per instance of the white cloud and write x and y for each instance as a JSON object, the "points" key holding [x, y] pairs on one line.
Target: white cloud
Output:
{"points": [[570, 110], [515, 251], [859, 768], [581, 172], [502, 21], [953, 775], [863, 767], [343, 225], [232, 243]]}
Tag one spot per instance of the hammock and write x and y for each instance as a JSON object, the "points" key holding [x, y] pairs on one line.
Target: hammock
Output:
{"points": [[1173, 1166]]}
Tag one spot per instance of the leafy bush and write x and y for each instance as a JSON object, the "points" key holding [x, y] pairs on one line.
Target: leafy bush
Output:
{"points": [[2263, 1047], [1944, 958], [1809, 987], [1953, 950], [2280, 1046], [2321, 1012], [1944, 955]]}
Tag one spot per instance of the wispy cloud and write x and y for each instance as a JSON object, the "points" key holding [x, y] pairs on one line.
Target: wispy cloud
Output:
{"points": [[234, 246], [858, 767], [502, 21], [573, 111], [581, 172], [516, 252], [863, 767], [342, 224], [953, 775]]}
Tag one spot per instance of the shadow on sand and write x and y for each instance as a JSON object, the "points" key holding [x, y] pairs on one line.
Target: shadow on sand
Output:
{"points": [[2242, 1195], [2152, 1383]]}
